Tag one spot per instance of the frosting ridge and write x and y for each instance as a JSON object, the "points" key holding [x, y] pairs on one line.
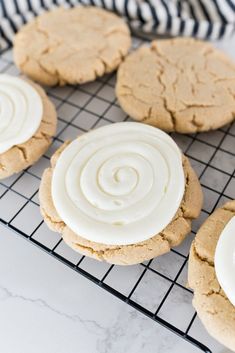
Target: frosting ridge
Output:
{"points": [[120, 184], [225, 260], [21, 111]]}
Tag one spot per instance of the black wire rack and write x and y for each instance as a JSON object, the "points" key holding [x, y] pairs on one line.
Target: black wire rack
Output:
{"points": [[158, 287]]}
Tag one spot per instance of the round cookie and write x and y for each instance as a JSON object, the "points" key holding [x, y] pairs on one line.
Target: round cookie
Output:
{"points": [[172, 235], [210, 301], [71, 46], [23, 155], [180, 85]]}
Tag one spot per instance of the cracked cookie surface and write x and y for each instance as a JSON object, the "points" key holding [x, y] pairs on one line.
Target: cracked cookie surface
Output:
{"points": [[179, 85], [24, 155], [211, 303], [71, 46], [161, 243]]}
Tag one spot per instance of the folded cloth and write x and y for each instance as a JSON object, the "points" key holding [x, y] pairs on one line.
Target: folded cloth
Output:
{"points": [[205, 19]]}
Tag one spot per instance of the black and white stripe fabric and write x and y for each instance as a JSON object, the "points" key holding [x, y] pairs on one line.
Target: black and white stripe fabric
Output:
{"points": [[205, 19]]}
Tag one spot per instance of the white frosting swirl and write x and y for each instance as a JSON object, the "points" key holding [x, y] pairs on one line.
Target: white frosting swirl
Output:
{"points": [[120, 184], [225, 260], [21, 111]]}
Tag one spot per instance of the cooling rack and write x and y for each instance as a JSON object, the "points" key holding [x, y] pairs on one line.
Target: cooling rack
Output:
{"points": [[157, 288]]}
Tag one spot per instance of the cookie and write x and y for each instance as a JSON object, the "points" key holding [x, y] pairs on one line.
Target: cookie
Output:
{"points": [[180, 85], [212, 303], [130, 195], [27, 124], [71, 46]]}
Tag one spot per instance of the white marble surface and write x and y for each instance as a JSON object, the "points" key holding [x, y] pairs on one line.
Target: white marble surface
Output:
{"points": [[47, 307]]}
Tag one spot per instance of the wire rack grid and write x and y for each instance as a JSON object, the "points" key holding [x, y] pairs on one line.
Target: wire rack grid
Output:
{"points": [[156, 288]]}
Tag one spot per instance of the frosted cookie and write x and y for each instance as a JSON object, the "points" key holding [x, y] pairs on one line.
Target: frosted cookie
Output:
{"points": [[27, 124], [122, 193], [211, 274], [179, 85], [71, 46]]}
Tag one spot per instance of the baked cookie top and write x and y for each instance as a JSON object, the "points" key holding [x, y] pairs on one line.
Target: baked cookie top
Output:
{"points": [[71, 46], [179, 85], [213, 306], [129, 194], [27, 124]]}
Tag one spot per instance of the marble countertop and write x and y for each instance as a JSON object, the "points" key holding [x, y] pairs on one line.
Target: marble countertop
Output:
{"points": [[47, 307]]}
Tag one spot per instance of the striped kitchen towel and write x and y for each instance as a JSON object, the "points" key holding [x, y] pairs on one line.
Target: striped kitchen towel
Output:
{"points": [[205, 19]]}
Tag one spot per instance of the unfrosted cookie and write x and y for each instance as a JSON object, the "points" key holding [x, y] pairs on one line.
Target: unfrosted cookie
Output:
{"points": [[27, 124], [179, 85], [112, 194], [71, 46], [210, 301]]}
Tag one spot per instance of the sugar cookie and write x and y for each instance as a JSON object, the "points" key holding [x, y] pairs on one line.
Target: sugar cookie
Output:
{"points": [[211, 274], [122, 193], [27, 124], [71, 46], [179, 85]]}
